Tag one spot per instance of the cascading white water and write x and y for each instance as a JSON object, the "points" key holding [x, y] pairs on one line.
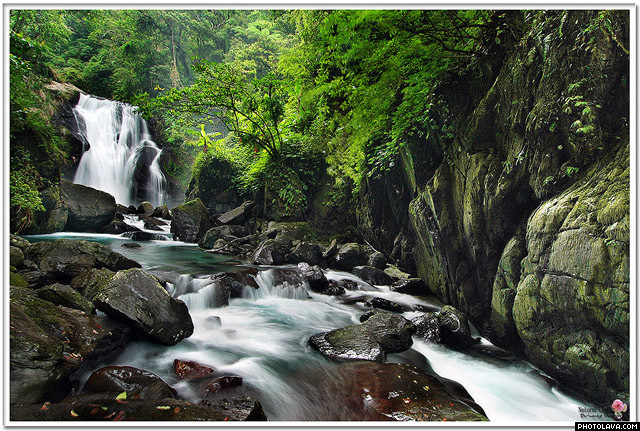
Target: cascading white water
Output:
{"points": [[119, 156]]}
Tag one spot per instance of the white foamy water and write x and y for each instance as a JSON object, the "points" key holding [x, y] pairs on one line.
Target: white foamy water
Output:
{"points": [[118, 152]]}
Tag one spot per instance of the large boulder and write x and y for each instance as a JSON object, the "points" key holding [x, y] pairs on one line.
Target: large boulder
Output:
{"points": [[315, 277], [455, 329], [410, 286], [67, 258], [136, 298], [308, 252], [218, 232], [62, 294], [16, 256], [92, 282], [48, 344], [88, 209], [351, 255], [190, 221], [380, 334], [427, 327], [237, 216], [372, 275], [145, 208], [270, 252]]}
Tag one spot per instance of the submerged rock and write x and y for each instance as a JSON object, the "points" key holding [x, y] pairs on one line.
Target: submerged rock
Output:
{"points": [[385, 304], [136, 298], [380, 334], [224, 382]]}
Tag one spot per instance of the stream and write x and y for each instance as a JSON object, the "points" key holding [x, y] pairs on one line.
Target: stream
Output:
{"points": [[262, 337]]}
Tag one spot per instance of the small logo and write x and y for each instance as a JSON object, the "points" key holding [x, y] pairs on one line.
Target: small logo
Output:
{"points": [[618, 408]]}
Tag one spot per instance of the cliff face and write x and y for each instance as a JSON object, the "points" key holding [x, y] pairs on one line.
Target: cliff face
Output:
{"points": [[523, 220]]}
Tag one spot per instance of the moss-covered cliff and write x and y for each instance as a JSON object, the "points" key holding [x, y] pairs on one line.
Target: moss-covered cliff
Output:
{"points": [[523, 219]]}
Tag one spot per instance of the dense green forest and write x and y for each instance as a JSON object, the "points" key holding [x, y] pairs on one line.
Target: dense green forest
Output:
{"points": [[267, 100]]}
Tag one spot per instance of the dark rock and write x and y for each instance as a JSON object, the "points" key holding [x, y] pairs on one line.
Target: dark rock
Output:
{"points": [[455, 328], [270, 252], [232, 246], [190, 369], [224, 382], [131, 245], [88, 209], [121, 209], [131, 210], [237, 215], [130, 379], [306, 252], [345, 284], [350, 255], [410, 286], [16, 257], [146, 236], [237, 409], [84, 406], [152, 223], [380, 334], [427, 327], [385, 304], [117, 227], [16, 241], [35, 278], [17, 280], [331, 250], [190, 221], [145, 208], [315, 277], [372, 275], [162, 212], [61, 294], [218, 232], [92, 282], [288, 232], [137, 299], [67, 258], [48, 344], [230, 285], [377, 260]]}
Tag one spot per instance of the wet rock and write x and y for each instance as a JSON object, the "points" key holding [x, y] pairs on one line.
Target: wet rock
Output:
{"points": [[380, 334], [48, 344], [427, 327], [131, 245], [372, 275], [455, 328], [131, 209], [410, 286], [88, 209], [36, 278], [270, 252], [190, 221], [152, 222], [331, 250], [232, 246], [191, 369], [133, 380], [162, 212], [136, 298], [394, 272], [16, 257], [84, 407], [145, 208], [62, 294], [306, 252], [146, 236], [117, 227], [377, 260], [67, 258], [315, 277], [224, 382], [385, 304], [218, 232], [350, 255], [92, 282], [121, 209], [238, 215]]}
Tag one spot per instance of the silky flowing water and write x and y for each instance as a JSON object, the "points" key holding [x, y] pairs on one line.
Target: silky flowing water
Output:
{"points": [[262, 337]]}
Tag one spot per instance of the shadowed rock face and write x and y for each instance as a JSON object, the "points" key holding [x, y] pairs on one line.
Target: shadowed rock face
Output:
{"points": [[380, 334], [130, 379], [88, 209], [190, 221], [136, 298]]}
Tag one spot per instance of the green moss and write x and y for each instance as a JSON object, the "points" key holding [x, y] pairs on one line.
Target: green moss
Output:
{"points": [[17, 280]]}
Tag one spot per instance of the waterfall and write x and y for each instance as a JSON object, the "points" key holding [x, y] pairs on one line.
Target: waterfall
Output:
{"points": [[119, 157]]}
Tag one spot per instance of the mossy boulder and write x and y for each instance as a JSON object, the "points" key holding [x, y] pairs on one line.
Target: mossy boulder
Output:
{"points": [[91, 282], [62, 294], [190, 221], [16, 256]]}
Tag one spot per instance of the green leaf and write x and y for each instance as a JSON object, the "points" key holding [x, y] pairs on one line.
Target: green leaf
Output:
{"points": [[122, 396]]}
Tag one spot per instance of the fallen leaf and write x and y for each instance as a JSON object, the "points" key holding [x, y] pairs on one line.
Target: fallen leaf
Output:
{"points": [[94, 411], [226, 419], [74, 414], [163, 407], [406, 400], [122, 396], [176, 410], [98, 326], [45, 406], [110, 416], [104, 408], [120, 416]]}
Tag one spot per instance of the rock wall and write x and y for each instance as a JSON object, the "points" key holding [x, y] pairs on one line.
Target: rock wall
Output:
{"points": [[524, 221]]}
